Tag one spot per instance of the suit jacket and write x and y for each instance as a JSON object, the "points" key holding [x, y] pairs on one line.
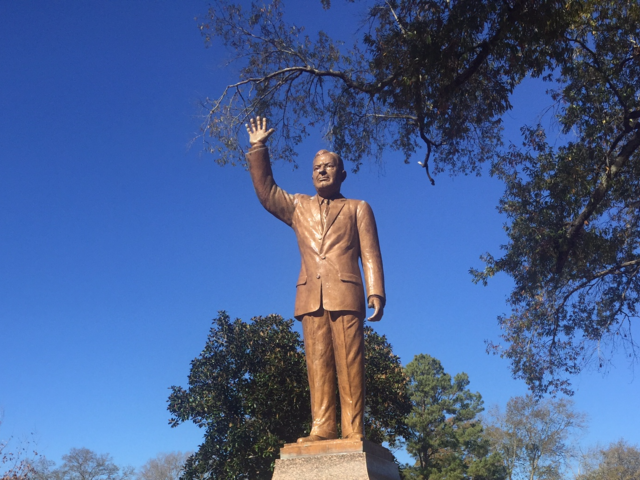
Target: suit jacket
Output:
{"points": [[329, 275]]}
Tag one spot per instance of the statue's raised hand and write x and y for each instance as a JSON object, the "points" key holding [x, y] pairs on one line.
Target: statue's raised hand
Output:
{"points": [[257, 130]]}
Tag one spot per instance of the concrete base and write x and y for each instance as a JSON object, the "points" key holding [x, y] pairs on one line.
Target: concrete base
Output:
{"points": [[335, 459]]}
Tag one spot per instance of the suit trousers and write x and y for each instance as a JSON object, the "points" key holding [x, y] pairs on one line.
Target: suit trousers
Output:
{"points": [[334, 343]]}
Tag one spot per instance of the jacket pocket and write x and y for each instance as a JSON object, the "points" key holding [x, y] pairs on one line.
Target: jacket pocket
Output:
{"points": [[302, 279], [350, 277]]}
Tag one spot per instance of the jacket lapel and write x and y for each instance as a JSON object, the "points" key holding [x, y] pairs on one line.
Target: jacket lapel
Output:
{"points": [[334, 209], [316, 221]]}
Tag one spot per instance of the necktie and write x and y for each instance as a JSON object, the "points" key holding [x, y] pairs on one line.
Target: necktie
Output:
{"points": [[324, 213]]}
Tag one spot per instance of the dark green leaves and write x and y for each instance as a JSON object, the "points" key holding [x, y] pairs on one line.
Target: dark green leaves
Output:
{"points": [[248, 389], [445, 432], [573, 211], [434, 75], [387, 400]]}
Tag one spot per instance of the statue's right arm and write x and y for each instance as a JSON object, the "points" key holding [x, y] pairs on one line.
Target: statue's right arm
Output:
{"points": [[278, 202]]}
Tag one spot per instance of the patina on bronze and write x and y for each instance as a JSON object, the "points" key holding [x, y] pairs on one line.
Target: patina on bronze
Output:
{"points": [[333, 234]]}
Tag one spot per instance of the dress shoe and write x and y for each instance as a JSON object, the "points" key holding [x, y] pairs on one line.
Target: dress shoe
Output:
{"points": [[313, 438], [355, 436]]}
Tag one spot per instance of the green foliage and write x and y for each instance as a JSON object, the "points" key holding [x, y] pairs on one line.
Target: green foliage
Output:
{"points": [[248, 389], [435, 74], [446, 435], [387, 401], [574, 211]]}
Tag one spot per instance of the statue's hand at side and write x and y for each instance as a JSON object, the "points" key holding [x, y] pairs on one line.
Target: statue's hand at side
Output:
{"points": [[375, 302], [257, 130]]}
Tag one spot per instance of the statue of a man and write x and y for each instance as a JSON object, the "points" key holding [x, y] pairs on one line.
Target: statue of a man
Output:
{"points": [[333, 234]]}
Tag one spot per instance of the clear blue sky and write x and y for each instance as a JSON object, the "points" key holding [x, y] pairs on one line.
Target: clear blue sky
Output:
{"points": [[119, 242]]}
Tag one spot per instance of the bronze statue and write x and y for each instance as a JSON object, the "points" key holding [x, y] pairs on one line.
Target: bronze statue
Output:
{"points": [[333, 234]]}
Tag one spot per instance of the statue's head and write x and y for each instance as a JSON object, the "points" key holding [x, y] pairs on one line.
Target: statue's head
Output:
{"points": [[328, 173]]}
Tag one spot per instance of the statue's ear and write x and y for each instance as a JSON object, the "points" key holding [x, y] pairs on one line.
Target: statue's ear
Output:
{"points": [[344, 176]]}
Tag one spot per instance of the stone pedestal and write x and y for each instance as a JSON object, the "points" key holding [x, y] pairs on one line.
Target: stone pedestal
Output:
{"points": [[335, 459]]}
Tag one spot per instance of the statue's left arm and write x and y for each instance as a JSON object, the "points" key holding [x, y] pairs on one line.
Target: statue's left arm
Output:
{"points": [[371, 260]]}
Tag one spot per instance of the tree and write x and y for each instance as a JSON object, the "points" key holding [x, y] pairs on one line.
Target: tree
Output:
{"points": [[387, 401], [532, 436], [16, 461], [446, 435], [620, 461], [165, 466], [248, 389], [82, 464], [434, 73], [434, 77], [574, 230], [43, 469]]}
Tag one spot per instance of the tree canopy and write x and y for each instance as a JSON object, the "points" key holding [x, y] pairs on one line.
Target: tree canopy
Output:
{"points": [[435, 74], [81, 464], [573, 210], [619, 461], [433, 78], [164, 466], [445, 433], [534, 437], [249, 390]]}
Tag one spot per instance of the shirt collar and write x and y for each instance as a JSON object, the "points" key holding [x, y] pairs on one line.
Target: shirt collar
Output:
{"points": [[329, 200]]}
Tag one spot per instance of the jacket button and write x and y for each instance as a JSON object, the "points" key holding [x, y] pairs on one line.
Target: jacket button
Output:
{"points": [[324, 257], [318, 276]]}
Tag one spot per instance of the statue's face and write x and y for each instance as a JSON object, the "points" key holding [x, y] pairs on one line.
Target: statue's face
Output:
{"points": [[327, 175]]}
